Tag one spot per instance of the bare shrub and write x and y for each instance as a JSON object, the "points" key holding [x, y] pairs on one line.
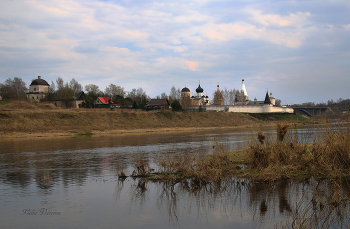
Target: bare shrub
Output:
{"points": [[261, 137], [142, 167], [281, 131]]}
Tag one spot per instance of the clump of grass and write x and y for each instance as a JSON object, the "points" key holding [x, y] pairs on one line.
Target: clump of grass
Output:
{"points": [[261, 137], [198, 168], [281, 131], [122, 175], [286, 157], [142, 168], [202, 169]]}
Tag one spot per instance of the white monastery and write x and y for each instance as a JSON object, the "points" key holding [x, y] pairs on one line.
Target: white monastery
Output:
{"points": [[244, 105]]}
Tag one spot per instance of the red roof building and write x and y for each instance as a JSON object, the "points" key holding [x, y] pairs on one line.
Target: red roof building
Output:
{"points": [[105, 102]]}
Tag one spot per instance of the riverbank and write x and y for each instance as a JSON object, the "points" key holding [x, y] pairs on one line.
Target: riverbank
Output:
{"points": [[20, 119]]}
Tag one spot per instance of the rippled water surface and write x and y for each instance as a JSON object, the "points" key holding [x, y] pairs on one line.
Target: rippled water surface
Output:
{"points": [[73, 183]]}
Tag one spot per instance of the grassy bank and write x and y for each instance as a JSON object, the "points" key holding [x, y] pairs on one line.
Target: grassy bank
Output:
{"points": [[25, 119]]}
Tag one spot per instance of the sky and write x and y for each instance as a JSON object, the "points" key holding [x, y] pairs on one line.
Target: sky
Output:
{"points": [[298, 50]]}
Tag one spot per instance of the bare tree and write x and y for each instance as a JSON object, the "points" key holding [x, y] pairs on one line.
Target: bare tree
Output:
{"points": [[138, 95], [142, 96], [113, 90], [164, 96], [132, 94], [13, 89], [175, 94], [65, 94], [240, 98], [75, 86], [60, 83], [278, 102], [52, 88], [93, 89]]}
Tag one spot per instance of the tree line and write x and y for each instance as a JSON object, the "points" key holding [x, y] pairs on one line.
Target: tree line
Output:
{"points": [[16, 89]]}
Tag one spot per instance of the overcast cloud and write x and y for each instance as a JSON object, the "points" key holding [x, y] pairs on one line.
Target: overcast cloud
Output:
{"points": [[299, 50]]}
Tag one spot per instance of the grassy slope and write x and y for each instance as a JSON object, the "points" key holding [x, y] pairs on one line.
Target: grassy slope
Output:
{"points": [[47, 119]]}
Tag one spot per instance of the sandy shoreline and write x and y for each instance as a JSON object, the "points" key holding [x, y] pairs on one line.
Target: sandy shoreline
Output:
{"points": [[73, 133]]}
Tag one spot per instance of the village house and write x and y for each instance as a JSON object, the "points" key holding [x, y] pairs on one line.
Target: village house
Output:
{"points": [[105, 102], [158, 103], [77, 101]]}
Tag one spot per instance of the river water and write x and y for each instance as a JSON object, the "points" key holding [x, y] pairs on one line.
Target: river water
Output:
{"points": [[73, 183]]}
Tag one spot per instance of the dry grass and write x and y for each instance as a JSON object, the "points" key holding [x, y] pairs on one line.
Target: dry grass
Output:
{"points": [[281, 131], [198, 168], [201, 169], [142, 168], [328, 157], [48, 119]]}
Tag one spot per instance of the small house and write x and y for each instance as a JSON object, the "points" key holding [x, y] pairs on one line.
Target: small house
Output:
{"points": [[158, 103], [105, 102]]}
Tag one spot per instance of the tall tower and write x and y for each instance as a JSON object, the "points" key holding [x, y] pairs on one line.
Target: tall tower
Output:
{"points": [[241, 98], [243, 89], [218, 99]]}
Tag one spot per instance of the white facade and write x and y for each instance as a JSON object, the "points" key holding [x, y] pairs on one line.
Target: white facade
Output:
{"points": [[251, 109], [38, 89]]}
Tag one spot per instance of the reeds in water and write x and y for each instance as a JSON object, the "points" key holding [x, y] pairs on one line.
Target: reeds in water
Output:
{"points": [[328, 156], [328, 208]]}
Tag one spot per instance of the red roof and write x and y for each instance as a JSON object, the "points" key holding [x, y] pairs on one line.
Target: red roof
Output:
{"points": [[104, 100]]}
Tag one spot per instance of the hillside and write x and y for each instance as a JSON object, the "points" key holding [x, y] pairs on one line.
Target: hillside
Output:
{"points": [[22, 119]]}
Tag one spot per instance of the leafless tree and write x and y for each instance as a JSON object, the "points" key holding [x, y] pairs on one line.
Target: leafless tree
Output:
{"points": [[92, 88], [239, 96], [52, 88], [13, 88], [278, 102], [175, 94], [65, 94], [75, 86], [229, 96], [164, 96], [138, 95], [60, 83], [112, 90]]}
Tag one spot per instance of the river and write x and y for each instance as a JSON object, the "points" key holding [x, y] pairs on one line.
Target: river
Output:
{"points": [[73, 183]]}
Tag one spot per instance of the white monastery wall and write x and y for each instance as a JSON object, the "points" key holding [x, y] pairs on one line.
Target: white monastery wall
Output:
{"points": [[251, 109]]}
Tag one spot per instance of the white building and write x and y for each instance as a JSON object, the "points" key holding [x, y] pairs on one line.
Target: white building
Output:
{"points": [[38, 89], [243, 105]]}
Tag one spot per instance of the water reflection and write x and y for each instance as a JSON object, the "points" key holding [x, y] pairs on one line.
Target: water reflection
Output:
{"points": [[78, 177], [266, 205]]}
